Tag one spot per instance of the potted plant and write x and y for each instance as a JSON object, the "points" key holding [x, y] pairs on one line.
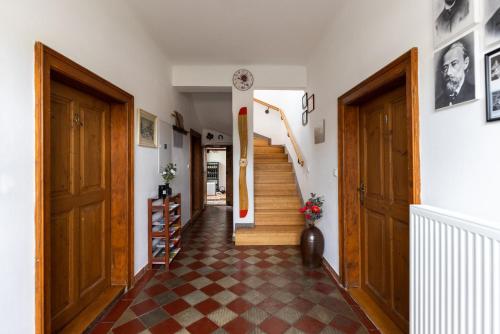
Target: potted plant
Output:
{"points": [[168, 175], [312, 242]]}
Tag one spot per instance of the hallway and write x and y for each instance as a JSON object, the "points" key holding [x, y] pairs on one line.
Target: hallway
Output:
{"points": [[216, 287]]}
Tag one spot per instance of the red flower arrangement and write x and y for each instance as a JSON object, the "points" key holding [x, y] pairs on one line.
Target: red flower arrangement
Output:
{"points": [[313, 209]]}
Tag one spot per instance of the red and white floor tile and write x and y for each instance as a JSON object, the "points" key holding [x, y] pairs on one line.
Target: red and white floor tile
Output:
{"points": [[216, 287]]}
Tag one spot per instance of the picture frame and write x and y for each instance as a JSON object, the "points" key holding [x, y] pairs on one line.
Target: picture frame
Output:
{"points": [[179, 119], [319, 133], [305, 118], [491, 22], [451, 19], [310, 104], [304, 101], [492, 76], [147, 129], [455, 72]]}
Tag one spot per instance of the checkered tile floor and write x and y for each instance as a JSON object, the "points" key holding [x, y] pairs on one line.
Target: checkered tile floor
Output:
{"points": [[215, 287]]}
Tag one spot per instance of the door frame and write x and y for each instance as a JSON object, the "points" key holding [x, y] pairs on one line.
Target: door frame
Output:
{"points": [[50, 65], [226, 148], [229, 175], [403, 70], [195, 134]]}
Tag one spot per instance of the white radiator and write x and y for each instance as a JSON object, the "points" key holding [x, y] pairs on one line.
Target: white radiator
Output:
{"points": [[454, 273]]}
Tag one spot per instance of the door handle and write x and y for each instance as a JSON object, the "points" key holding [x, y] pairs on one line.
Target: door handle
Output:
{"points": [[362, 192]]}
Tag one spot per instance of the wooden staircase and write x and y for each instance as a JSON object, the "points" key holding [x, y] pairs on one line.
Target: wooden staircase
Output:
{"points": [[277, 201]]}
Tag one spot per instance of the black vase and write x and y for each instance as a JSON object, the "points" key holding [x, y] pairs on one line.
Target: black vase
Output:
{"points": [[312, 245], [169, 190], [162, 191]]}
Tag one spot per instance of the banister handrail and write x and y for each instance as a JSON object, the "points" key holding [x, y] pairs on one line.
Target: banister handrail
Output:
{"points": [[289, 132]]}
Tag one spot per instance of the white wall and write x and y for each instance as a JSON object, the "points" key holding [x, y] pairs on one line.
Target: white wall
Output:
{"points": [[187, 77], [214, 110], [460, 162], [225, 140], [104, 37], [220, 157]]}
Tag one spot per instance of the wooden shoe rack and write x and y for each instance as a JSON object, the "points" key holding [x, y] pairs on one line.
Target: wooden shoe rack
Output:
{"points": [[165, 227]]}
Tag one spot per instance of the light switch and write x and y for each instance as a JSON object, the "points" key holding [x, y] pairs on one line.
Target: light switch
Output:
{"points": [[335, 172]]}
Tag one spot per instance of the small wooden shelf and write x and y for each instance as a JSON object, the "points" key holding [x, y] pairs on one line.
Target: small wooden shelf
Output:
{"points": [[165, 226], [180, 130]]}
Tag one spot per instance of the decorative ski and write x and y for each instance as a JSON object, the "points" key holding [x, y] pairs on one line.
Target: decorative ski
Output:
{"points": [[243, 132]]}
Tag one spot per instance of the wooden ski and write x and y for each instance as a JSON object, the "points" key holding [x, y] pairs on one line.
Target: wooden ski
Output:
{"points": [[243, 132]]}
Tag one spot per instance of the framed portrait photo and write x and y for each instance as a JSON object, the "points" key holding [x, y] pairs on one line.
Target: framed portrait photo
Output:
{"points": [[491, 21], [454, 67], [492, 73], [311, 104], [147, 129], [305, 98], [305, 118], [452, 17]]}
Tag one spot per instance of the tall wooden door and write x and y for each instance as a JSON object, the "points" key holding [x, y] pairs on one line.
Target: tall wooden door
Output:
{"points": [[384, 203], [80, 197], [229, 175], [196, 174]]}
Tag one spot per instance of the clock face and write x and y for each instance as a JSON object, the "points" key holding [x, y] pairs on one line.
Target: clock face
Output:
{"points": [[243, 79]]}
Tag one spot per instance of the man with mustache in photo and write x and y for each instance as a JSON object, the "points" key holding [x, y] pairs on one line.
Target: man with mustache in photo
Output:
{"points": [[456, 89], [454, 12]]}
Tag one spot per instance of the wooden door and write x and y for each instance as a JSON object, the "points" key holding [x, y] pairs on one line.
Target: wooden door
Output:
{"points": [[80, 201], [384, 201], [196, 174], [229, 175]]}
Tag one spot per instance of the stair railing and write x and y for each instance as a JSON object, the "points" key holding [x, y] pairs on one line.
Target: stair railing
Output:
{"points": [[300, 158]]}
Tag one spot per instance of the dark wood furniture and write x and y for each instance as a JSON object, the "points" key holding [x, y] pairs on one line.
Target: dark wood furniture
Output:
{"points": [[164, 242]]}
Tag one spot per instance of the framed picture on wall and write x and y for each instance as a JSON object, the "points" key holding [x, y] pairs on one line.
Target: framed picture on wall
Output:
{"points": [[492, 73], [147, 129], [310, 104], [305, 118], [455, 72], [452, 17], [304, 101], [491, 21]]}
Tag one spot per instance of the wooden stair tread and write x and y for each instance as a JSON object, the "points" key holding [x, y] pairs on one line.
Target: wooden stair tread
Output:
{"points": [[274, 178], [269, 157], [270, 229], [278, 199], [287, 186], [269, 235], [273, 165], [284, 197], [270, 161], [269, 149], [271, 168], [272, 172], [261, 141], [270, 212]]}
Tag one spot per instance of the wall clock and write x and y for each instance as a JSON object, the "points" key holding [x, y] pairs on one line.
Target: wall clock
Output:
{"points": [[242, 79]]}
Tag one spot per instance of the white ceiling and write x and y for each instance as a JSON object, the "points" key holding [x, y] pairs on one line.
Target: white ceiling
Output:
{"points": [[214, 111], [235, 31]]}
